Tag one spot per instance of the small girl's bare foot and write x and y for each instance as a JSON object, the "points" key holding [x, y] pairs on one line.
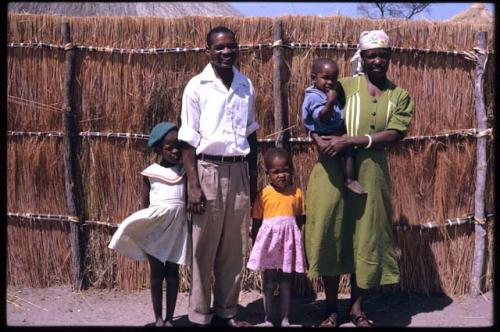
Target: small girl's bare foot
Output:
{"points": [[168, 323], [285, 322], [159, 322], [355, 187], [265, 324]]}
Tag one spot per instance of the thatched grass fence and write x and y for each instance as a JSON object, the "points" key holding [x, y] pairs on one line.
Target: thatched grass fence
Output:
{"points": [[119, 94]]}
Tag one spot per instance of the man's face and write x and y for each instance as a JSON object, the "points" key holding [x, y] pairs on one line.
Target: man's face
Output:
{"points": [[223, 51]]}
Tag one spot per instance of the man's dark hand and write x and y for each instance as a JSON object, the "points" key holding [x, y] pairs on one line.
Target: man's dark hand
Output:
{"points": [[196, 199]]}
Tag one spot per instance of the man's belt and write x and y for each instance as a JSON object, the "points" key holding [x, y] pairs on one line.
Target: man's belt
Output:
{"points": [[226, 159]]}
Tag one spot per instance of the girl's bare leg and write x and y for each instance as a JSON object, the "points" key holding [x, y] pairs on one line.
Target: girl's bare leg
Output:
{"points": [[285, 280], [172, 275], [270, 277], [157, 273]]}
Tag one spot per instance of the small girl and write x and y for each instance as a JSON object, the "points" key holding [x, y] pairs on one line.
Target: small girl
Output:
{"points": [[159, 232], [277, 246]]}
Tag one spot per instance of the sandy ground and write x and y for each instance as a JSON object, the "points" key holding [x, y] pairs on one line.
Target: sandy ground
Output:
{"points": [[58, 306]]}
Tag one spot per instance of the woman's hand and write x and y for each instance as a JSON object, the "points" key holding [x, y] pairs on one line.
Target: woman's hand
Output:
{"points": [[337, 144], [331, 145]]}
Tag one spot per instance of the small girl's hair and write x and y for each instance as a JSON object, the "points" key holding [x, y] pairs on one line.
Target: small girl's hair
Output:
{"points": [[318, 64], [272, 153]]}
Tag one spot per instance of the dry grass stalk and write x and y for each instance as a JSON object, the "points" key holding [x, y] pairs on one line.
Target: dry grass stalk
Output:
{"points": [[38, 253]]}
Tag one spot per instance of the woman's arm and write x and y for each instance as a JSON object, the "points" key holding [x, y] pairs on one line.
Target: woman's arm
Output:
{"points": [[146, 187], [380, 140], [333, 145]]}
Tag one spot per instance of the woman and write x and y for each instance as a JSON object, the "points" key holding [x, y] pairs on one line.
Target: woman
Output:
{"points": [[349, 233]]}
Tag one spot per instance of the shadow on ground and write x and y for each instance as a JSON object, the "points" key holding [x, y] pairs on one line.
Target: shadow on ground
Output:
{"points": [[384, 309]]}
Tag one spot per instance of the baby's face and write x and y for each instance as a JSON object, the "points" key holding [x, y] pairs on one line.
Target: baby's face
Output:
{"points": [[326, 78]]}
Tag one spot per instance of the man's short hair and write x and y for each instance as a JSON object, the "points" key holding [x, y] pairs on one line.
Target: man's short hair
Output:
{"points": [[272, 153], [318, 64], [219, 29]]}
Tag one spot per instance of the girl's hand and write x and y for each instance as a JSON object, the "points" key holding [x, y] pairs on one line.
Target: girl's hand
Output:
{"points": [[196, 200]]}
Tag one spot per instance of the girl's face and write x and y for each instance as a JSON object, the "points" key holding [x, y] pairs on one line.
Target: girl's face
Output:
{"points": [[170, 148], [326, 78], [280, 173]]}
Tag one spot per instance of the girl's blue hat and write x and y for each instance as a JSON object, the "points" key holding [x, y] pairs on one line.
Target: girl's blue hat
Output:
{"points": [[159, 131]]}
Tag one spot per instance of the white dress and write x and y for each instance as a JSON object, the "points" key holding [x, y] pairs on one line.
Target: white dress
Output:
{"points": [[162, 229]]}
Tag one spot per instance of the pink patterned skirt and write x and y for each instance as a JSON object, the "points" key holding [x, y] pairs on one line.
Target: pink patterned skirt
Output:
{"points": [[278, 246]]}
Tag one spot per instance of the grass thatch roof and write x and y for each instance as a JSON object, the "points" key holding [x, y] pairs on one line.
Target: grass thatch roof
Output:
{"points": [[161, 9], [477, 13]]}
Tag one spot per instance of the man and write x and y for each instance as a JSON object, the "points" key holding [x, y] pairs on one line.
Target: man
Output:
{"points": [[218, 130]]}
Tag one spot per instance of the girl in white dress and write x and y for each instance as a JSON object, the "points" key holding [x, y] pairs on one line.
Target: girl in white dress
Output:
{"points": [[159, 232]]}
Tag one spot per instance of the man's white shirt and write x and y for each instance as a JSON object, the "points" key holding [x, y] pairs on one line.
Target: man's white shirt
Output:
{"points": [[215, 120]]}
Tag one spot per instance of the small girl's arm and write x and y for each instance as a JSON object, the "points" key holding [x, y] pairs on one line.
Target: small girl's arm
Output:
{"points": [[256, 223], [146, 187], [300, 221]]}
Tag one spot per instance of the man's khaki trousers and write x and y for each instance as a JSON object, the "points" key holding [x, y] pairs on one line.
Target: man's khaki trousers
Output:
{"points": [[220, 239]]}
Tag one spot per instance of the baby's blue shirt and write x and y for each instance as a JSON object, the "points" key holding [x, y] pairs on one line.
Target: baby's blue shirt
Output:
{"points": [[314, 101]]}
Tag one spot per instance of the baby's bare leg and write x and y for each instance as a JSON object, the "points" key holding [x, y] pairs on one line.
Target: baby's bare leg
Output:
{"points": [[347, 166]]}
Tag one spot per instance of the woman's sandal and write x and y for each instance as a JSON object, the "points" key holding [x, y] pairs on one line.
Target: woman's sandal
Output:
{"points": [[360, 320], [330, 321]]}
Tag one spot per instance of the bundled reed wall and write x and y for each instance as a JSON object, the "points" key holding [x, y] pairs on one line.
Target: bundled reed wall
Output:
{"points": [[129, 93]]}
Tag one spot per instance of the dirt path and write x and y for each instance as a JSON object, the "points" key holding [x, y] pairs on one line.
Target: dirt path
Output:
{"points": [[58, 306]]}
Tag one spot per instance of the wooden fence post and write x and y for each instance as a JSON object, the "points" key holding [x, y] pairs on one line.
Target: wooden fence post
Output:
{"points": [[71, 176], [278, 82], [478, 263]]}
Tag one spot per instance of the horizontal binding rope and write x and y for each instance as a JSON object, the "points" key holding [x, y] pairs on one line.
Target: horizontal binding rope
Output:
{"points": [[113, 135], [41, 216], [100, 223], [448, 222], [473, 132], [292, 45], [398, 227], [36, 134]]}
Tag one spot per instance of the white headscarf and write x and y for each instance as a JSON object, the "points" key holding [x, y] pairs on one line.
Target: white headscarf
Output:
{"points": [[368, 40]]}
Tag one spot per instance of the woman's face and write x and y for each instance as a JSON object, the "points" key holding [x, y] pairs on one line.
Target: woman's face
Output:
{"points": [[376, 61]]}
